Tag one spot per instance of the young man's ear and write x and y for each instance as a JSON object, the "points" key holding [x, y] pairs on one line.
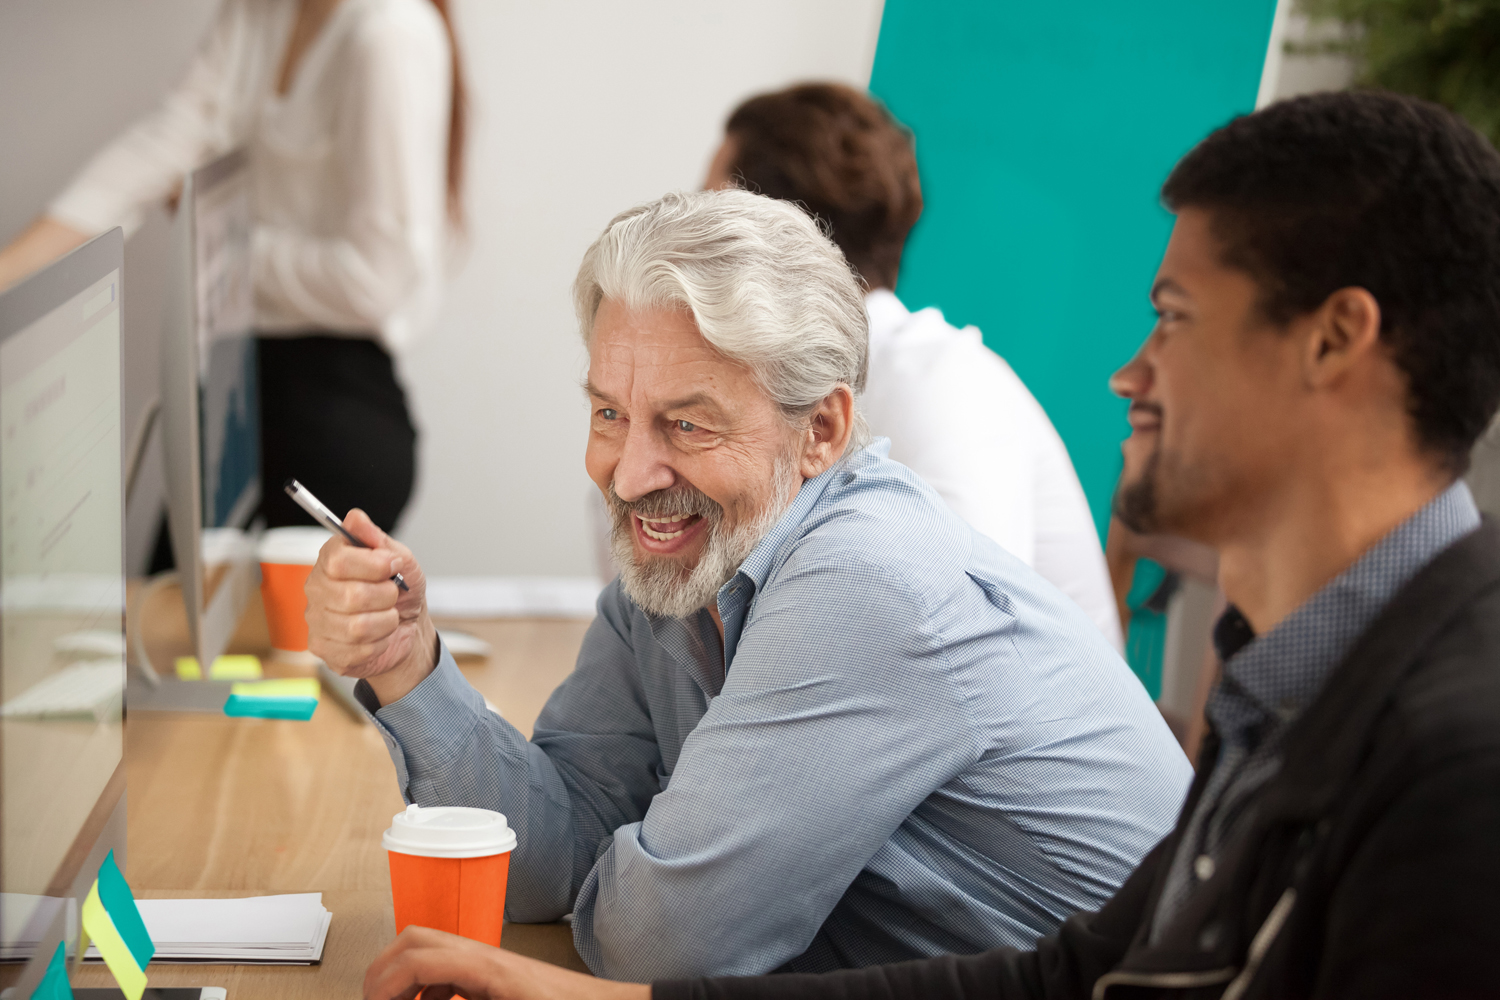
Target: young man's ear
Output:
{"points": [[1340, 334]]}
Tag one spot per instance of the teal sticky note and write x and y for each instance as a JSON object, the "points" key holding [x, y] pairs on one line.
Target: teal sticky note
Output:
{"points": [[54, 984], [246, 706], [119, 903]]}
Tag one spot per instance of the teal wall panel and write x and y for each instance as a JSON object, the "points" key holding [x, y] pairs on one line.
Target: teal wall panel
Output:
{"points": [[1044, 132]]}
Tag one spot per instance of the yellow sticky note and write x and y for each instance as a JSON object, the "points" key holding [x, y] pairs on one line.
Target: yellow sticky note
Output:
{"points": [[225, 668], [291, 687]]}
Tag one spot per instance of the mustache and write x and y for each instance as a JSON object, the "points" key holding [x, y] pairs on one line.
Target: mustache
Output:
{"points": [[683, 501]]}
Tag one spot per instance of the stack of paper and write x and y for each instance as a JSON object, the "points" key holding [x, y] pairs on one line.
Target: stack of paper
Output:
{"points": [[260, 930], [24, 920]]}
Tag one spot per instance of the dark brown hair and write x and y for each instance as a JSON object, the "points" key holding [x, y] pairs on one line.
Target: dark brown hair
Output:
{"points": [[841, 155], [1378, 191], [458, 111]]}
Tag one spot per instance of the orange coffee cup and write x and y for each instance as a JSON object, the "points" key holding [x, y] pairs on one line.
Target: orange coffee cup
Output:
{"points": [[448, 869], [286, 559]]}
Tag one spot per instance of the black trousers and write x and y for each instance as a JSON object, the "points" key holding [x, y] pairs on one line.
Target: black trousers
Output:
{"points": [[334, 417]]}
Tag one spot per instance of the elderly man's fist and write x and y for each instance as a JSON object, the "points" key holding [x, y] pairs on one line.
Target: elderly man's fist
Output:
{"points": [[360, 622]]}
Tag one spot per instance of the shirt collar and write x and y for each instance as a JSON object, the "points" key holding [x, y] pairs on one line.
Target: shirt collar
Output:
{"points": [[693, 641], [736, 596], [1275, 676]]}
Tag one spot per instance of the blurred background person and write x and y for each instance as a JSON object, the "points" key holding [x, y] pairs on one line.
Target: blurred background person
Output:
{"points": [[352, 113], [955, 412]]}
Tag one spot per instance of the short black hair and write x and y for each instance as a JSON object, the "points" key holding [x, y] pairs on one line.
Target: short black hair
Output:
{"points": [[1379, 191], [840, 154]]}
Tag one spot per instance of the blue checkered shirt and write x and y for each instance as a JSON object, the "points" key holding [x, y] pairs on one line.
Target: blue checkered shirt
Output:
{"points": [[1268, 681], [907, 743]]}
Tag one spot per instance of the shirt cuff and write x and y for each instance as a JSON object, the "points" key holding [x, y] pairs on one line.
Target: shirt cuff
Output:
{"points": [[426, 729]]}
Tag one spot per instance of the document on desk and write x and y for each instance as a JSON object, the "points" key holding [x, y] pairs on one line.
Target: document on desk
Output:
{"points": [[258, 930]]}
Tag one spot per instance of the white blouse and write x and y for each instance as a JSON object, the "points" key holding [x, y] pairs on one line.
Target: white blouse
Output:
{"points": [[349, 167], [960, 418]]}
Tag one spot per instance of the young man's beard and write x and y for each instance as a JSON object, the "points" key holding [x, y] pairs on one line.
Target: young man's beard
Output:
{"points": [[1136, 504], [661, 586]]}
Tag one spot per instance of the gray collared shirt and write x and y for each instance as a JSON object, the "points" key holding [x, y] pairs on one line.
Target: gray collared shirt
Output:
{"points": [[1269, 680], [907, 743]]}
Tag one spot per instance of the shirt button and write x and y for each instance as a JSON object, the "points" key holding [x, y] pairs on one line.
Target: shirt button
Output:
{"points": [[1203, 867]]}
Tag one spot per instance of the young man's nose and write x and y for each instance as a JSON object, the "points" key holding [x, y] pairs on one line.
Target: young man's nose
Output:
{"points": [[1133, 378]]}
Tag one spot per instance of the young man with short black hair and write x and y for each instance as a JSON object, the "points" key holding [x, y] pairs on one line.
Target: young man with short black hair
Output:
{"points": [[1328, 351]]}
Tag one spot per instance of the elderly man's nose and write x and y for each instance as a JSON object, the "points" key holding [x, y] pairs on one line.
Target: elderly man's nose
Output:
{"points": [[642, 468], [1133, 379]]}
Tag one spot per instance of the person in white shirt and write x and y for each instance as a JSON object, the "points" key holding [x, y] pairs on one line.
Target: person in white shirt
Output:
{"points": [[352, 114], [955, 412]]}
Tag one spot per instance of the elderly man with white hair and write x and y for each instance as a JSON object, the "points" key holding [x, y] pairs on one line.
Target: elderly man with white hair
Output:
{"points": [[819, 721]]}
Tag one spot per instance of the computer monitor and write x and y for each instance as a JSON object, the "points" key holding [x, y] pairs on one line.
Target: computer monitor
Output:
{"points": [[62, 600], [210, 409]]}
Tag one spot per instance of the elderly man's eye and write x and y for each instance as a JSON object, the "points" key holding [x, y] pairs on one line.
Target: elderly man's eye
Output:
{"points": [[686, 427], [609, 414]]}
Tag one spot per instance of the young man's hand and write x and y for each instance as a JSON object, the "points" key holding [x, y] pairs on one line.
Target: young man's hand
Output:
{"points": [[439, 965]]}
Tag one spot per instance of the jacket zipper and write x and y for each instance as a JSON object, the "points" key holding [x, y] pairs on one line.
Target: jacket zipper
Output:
{"points": [[1238, 979]]}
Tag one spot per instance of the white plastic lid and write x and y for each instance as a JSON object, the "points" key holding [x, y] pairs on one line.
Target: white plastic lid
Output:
{"points": [[291, 546], [448, 832]]}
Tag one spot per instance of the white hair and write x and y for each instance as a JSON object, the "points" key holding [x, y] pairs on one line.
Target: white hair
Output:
{"points": [[764, 285]]}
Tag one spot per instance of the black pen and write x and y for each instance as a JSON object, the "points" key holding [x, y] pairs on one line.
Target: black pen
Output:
{"points": [[327, 518]]}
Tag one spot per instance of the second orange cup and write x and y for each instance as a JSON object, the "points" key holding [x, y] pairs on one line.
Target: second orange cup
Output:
{"points": [[286, 559]]}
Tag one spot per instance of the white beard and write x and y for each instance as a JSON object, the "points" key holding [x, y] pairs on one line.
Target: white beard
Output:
{"points": [[659, 586]]}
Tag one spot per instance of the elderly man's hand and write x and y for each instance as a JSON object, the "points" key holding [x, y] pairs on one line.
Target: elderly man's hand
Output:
{"points": [[439, 965], [360, 622]]}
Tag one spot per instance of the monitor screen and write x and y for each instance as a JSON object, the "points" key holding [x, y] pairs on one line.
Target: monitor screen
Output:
{"points": [[62, 592]]}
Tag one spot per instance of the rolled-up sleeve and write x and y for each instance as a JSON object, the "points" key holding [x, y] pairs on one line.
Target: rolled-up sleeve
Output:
{"points": [[829, 731], [590, 766]]}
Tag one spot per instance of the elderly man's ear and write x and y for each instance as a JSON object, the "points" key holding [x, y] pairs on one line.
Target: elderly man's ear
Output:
{"points": [[827, 433]]}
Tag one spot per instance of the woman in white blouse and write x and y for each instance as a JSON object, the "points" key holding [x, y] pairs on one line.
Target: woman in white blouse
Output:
{"points": [[352, 113]]}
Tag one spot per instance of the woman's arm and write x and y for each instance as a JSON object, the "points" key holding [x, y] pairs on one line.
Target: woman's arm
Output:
{"points": [[147, 163], [39, 244]]}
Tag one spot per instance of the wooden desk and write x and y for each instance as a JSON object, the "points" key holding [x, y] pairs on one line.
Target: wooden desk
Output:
{"points": [[239, 807]]}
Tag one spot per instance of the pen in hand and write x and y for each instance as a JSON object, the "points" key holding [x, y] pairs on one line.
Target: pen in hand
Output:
{"points": [[328, 519]]}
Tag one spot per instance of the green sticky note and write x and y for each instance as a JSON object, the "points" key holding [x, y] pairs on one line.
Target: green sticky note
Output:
{"points": [[290, 687], [54, 984], [245, 706], [224, 668], [119, 903]]}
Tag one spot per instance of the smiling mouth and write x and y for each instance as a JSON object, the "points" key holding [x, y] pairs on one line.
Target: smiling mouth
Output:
{"points": [[1144, 417], [664, 529]]}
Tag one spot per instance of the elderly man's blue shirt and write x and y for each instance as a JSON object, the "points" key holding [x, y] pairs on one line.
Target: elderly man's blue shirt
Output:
{"points": [[908, 743]]}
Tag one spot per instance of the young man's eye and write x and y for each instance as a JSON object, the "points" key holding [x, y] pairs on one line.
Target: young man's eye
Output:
{"points": [[686, 427]]}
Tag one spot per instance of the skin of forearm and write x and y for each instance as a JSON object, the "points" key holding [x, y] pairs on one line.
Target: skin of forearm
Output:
{"points": [[38, 245]]}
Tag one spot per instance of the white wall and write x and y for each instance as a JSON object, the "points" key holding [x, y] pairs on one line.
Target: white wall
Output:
{"points": [[580, 109]]}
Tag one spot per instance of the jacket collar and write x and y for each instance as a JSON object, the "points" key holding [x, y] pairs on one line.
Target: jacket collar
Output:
{"points": [[1325, 745]]}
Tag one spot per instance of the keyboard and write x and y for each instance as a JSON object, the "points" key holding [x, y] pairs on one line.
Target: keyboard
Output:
{"points": [[92, 690]]}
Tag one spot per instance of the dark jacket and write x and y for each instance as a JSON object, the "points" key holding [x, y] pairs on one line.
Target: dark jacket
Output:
{"points": [[1369, 866]]}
